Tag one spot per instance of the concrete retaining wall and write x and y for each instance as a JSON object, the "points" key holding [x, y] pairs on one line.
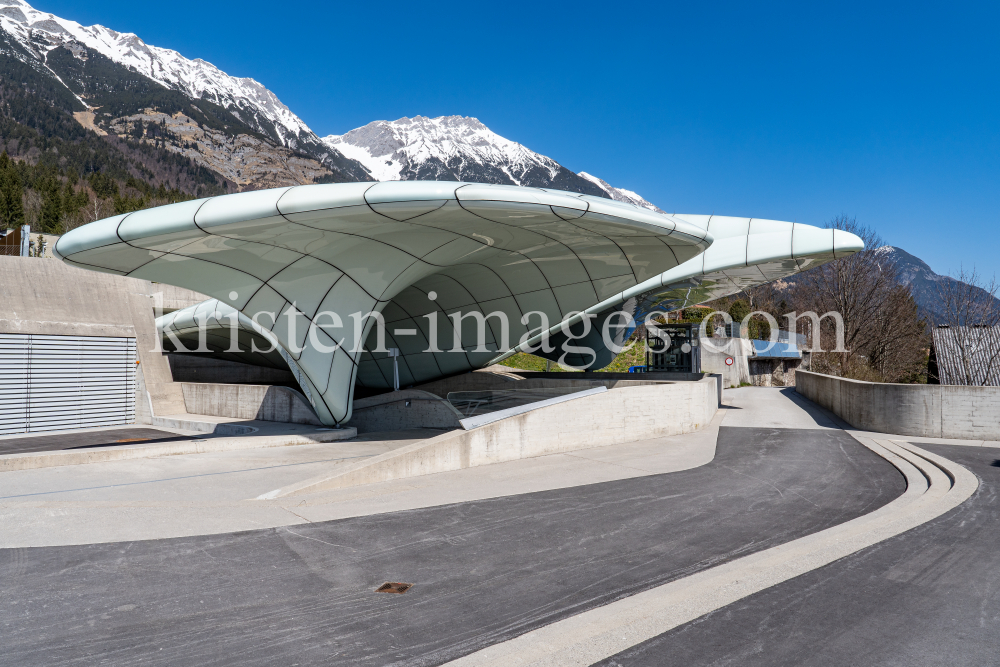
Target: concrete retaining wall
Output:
{"points": [[249, 401], [489, 378], [203, 368], [625, 414], [713, 360], [43, 296], [401, 410], [171, 298], [931, 411], [479, 381], [426, 406]]}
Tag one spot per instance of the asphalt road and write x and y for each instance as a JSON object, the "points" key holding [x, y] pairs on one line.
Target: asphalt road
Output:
{"points": [[103, 438], [482, 572], [930, 596]]}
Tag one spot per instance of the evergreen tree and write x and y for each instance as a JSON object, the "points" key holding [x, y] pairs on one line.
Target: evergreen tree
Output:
{"points": [[103, 186], [70, 202], [82, 199], [50, 218], [11, 194], [129, 204], [13, 198]]}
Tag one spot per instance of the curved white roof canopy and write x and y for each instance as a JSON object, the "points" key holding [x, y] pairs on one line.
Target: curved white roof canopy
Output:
{"points": [[383, 247]]}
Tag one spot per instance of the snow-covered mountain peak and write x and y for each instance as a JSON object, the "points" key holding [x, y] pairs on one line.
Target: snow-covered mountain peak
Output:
{"points": [[443, 148], [40, 32], [395, 150], [621, 194], [462, 148]]}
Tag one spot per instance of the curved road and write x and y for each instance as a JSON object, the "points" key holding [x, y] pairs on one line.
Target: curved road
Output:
{"points": [[930, 596], [483, 571]]}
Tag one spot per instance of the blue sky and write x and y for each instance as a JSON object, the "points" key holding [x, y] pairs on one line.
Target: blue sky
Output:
{"points": [[792, 111]]}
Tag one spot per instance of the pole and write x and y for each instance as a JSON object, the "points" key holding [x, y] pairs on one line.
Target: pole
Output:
{"points": [[394, 353]]}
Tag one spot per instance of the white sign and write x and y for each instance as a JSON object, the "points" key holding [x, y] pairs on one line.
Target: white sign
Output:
{"points": [[729, 361]]}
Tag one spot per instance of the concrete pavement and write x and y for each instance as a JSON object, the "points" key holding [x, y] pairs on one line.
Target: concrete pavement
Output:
{"points": [[173, 495], [196, 494], [85, 438], [202, 435], [193, 494], [483, 570]]}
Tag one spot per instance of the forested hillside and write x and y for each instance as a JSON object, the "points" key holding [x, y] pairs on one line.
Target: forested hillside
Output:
{"points": [[56, 175], [83, 137]]}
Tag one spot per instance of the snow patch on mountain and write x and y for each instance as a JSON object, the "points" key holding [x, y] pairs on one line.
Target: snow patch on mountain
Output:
{"points": [[40, 32], [621, 194], [393, 150], [462, 148]]}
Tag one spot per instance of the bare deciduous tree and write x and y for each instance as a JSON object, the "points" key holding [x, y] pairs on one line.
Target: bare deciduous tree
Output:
{"points": [[32, 206], [969, 308], [898, 345], [884, 337], [99, 209]]}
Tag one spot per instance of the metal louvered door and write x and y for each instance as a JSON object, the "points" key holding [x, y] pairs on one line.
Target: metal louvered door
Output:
{"points": [[49, 383], [13, 383]]}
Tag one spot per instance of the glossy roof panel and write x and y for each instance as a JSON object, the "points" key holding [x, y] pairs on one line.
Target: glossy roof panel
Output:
{"points": [[311, 258]]}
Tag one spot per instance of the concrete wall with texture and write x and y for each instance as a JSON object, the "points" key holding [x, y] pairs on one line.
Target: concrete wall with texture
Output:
{"points": [[925, 410]]}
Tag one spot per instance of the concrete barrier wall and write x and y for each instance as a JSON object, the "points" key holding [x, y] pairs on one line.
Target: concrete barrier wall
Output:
{"points": [[713, 360], [401, 410], [926, 410], [426, 406], [42, 296], [171, 297], [488, 378], [479, 381], [625, 414], [203, 368], [249, 401]]}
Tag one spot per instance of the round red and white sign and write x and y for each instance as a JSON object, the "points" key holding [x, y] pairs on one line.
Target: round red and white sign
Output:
{"points": [[729, 361]]}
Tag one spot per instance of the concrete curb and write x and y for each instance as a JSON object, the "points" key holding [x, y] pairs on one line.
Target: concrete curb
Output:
{"points": [[934, 486], [919, 440], [67, 457], [218, 428]]}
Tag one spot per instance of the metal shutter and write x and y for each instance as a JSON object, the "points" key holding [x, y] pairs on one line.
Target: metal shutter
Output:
{"points": [[49, 383]]}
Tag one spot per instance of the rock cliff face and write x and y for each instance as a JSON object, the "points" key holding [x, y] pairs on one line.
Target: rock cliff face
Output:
{"points": [[245, 159]]}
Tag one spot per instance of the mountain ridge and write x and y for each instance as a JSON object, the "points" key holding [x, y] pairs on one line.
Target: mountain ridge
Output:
{"points": [[252, 106], [621, 194], [96, 100], [121, 86], [457, 148], [40, 31], [924, 283]]}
